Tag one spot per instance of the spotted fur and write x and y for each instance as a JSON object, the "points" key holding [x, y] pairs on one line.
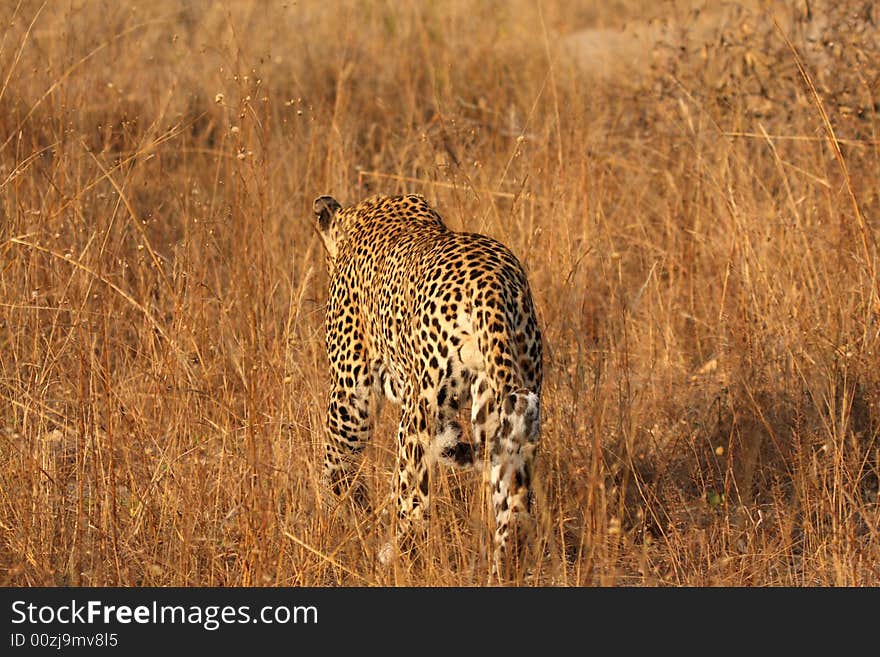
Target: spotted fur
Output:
{"points": [[433, 320]]}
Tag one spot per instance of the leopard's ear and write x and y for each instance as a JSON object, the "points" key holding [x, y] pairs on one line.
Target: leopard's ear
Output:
{"points": [[325, 208]]}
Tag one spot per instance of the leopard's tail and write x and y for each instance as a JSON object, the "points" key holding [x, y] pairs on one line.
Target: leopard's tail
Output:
{"points": [[512, 462], [507, 417]]}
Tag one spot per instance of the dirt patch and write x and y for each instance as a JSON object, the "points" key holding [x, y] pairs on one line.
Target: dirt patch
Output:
{"points": [[640, 45]]}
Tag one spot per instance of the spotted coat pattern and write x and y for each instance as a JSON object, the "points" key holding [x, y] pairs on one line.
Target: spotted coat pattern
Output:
{"points": [[435, 321]]}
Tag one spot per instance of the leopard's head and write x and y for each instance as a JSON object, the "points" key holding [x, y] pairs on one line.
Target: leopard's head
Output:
{"points": [[326, 209]]}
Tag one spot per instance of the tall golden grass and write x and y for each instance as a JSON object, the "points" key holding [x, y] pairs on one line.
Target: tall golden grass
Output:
{"points": [[700, 231]]}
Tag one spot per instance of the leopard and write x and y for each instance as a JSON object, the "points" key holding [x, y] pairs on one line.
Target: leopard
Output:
{"points": [[436, 322]]}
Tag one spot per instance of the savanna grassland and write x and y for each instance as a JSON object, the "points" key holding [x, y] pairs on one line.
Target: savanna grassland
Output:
{"points": [[696, 201]]}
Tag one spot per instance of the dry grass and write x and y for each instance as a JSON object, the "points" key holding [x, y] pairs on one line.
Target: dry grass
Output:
{"points": [[704, 260]]}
